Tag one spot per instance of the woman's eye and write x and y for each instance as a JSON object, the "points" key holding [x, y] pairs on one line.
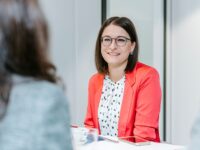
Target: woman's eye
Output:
{"points": [[121, 40], [107, 40]]}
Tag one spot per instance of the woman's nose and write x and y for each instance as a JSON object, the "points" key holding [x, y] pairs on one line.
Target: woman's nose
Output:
{"points": [[113, 44]]}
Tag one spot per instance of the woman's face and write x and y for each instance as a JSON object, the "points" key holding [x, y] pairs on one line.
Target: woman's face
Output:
{"points": [[116, 46]]}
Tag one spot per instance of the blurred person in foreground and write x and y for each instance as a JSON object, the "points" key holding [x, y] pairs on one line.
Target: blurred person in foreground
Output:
{"points": [[195, 135], [33, 109]]}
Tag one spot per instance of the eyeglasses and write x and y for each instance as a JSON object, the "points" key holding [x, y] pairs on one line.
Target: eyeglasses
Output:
{"points": [[120, 40]]}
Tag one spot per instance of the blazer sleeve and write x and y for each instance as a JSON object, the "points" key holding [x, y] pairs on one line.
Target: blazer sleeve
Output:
{"points": [[148, 107], [89, 120]]}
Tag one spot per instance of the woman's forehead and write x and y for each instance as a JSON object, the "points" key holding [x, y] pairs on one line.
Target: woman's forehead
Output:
{"points": [[114, 31]]}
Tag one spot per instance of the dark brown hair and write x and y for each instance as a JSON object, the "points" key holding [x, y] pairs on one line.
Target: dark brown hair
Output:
{"points": [[23, 43], [128, 26]]}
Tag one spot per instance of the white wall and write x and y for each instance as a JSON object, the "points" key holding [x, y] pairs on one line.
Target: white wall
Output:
{"points": [[183, 73], [73, 27], [148, 19]]}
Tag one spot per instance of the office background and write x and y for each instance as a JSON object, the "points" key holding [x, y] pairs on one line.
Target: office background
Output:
{"points": [[169, 36]]}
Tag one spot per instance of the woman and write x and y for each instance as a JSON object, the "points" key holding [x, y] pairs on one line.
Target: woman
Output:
{"points": [[34, 113], [125, 95]]}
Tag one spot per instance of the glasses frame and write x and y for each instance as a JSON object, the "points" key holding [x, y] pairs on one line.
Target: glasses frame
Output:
{"points": [[115, 39]]}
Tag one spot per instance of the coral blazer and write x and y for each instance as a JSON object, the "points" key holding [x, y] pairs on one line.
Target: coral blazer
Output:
{"points": [[139, 114]]}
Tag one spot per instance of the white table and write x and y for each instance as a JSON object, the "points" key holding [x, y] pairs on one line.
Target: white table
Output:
{"points": [[116, 144], [107, 145]]}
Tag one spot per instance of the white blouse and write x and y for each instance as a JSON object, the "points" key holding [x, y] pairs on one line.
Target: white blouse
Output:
{"points": [[110, 105]]}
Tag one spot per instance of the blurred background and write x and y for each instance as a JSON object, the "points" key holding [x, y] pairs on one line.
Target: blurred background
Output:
{"points": [[169, 36]]}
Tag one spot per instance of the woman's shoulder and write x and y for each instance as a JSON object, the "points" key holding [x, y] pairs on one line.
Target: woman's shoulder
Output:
{"points": [[97, 77], [142, 68], [37, 86], [36, 90], [96, 80], [142, 72], [38, 97]]}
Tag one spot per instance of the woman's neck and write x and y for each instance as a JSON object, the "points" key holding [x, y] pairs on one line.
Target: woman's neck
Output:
{"points": [[116, 73]]}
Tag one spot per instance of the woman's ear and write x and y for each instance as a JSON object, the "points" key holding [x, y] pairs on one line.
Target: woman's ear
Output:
{"points": [[132, 47]]}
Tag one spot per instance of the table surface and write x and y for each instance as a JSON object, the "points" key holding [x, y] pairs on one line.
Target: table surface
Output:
{"points": [[107, 145], [122, 145]]}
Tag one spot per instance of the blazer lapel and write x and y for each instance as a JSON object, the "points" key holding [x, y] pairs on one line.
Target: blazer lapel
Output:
{"points": [[126, 103], [99, 86]]}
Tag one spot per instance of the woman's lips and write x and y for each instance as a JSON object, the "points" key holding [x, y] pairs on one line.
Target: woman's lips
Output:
{"points": [[113, 53]]}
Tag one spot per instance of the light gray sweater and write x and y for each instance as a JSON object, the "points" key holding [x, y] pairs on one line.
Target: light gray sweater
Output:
{"points": [[195, 135], [37, 117]]}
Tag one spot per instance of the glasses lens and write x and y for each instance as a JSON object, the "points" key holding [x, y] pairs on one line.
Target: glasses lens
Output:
{"points": [[106, 41], [121, 41]]}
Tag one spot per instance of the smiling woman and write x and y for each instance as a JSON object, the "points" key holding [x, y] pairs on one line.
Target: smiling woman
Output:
{"points": [[124, 96]]}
